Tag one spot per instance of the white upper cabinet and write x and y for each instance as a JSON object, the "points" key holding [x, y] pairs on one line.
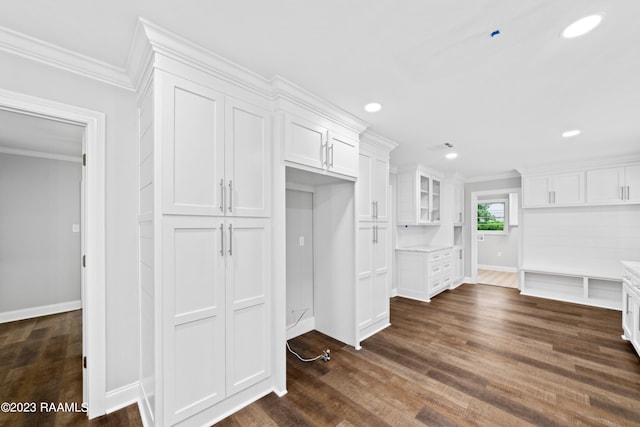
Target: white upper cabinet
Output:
{"points": [[562, 189], [247, 172], [311, 144], [458, 203], [216, 153], [342, 155], [419, 198], [373, 185], [614, 185]]}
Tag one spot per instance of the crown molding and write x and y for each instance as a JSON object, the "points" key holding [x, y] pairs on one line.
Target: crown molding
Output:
{"points": [[377, 141], [507, 175], [46, 53], [40, 154]]}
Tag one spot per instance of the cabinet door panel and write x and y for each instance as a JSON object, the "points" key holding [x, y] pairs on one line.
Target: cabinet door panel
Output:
{"points": [[536, 191], [193, 148], [380, 286], [365, 273], [305, 143], [247, 160], [632, 181], [194, 315], [605, 185], [365, 184], [380, 179], [248, 277], [342, 155], [568, 188]]}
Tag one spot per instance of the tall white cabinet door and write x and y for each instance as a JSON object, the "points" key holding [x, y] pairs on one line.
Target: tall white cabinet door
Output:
{"points": [[342, 154], [192, 148], [305, 142], [380, 178], [247, 160], [605, 185], [194, 316], [632, 181], [568, 188], [380, 286], [248, 291], [537, 191], [365, 237], [365, 187]]}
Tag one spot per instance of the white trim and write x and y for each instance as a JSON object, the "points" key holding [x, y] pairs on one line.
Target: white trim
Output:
{"points": [[122, 397], [55, 56], [94, 236], [474, 226], [378, 142], [304, 326], [40, 154], [507, 175], [43, 310], [498, 268], [147, 420], [299, 187]]}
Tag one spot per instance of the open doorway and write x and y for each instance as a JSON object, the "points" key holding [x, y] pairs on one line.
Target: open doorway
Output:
{"points": [[495, 237], [85, 131]]}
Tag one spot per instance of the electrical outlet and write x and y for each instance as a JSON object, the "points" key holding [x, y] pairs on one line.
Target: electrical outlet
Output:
{"points": [[499, 253], [301, 240]]}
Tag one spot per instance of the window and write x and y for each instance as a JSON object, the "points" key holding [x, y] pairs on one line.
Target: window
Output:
{"points": [[492, 217]]}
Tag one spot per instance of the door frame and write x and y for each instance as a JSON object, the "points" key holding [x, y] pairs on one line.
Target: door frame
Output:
{"points": [[93, 234], [474, 226]]}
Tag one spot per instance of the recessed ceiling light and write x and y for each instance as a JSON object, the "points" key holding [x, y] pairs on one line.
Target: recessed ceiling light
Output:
{"points": [[570, 133], [372, 107], [581, 26], [451, 155]]}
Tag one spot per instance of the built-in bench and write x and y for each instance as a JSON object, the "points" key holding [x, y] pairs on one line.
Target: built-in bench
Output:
{"points": [[582, 287]]}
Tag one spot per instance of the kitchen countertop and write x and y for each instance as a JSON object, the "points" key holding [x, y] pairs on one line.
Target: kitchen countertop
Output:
{"points": [[424, 248], [633, 266]]}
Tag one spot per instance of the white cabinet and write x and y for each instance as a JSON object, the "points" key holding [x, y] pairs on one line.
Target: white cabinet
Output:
{"points": [[311, 144], [562, 189], [614, 185], [216, 310], [419, 196], [216, 152], [423, 273], [373, 277], [458, 203], [373, 184], [631, 304]]}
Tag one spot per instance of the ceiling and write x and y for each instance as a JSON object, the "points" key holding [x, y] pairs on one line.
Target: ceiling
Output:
{"points": [[502, 101], [33, 135]]}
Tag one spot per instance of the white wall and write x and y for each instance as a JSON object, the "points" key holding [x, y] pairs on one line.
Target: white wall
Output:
{"points": [[587, 239], [299, 258], [122, 305], [499, 250], [40, 200]]}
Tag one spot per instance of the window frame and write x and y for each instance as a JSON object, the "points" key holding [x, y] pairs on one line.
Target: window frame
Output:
{"points": [[505, 228]]}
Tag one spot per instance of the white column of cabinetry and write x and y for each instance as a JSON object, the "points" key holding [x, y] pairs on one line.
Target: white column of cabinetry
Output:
{"points": [[373, 236], [215, 250]]}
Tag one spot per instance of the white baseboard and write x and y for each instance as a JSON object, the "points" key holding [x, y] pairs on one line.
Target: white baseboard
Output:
{"points": [[304, 326], [467, 279], [497, 268], [43, 310], [144, 416], [394, 292], [123, 396]]}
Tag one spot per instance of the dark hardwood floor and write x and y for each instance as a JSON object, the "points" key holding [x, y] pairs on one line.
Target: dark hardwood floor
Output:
{"points": [[40, 361], [476, 356]]}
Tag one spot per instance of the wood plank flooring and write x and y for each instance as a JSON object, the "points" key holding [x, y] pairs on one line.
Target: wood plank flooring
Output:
{"points": [[474, 356], [498, 278], [40, 361]]}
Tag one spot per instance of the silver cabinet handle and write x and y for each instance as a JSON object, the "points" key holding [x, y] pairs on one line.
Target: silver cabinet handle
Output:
{"points": [[375, 227], [549, 196], [459, 216], [323, 153], [628, 192], [230, 239], [373, 209], [222, 195], [230, 196], [554, 197], [331, 149], [221, 239], [375, 205], [621, 192]]}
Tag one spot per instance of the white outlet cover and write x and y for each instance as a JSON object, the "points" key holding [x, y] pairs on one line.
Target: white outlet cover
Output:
{"points": [[301, 240], [75, 228]]}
